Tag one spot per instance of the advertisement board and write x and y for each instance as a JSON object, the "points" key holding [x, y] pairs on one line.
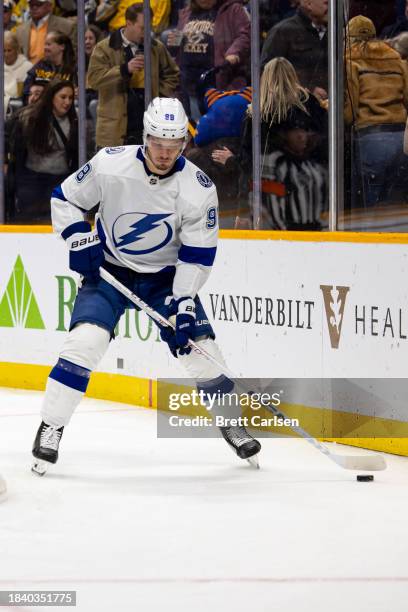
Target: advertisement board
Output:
{"points": [[280, 309]]}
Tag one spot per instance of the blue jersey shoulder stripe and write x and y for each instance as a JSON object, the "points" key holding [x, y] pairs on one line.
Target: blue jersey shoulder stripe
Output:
{"points": [[78, 227], [58, 193], [198, 255]]}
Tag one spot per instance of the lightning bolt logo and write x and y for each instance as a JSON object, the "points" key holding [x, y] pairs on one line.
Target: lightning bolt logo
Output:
{"points": [[144, 224]]}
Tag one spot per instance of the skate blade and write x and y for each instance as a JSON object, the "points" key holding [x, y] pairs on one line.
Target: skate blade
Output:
{"points": [[40, 467], [3, 490], [254, 461]]}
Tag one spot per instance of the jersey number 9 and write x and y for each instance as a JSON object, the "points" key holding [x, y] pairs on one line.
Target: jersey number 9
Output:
{"points": [[211, 217]]}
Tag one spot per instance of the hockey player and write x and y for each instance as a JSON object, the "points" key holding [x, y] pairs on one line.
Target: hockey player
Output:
{"points": [[156, 232]]}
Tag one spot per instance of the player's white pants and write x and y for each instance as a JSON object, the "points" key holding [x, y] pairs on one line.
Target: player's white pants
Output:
{"points": [[82, 351]]}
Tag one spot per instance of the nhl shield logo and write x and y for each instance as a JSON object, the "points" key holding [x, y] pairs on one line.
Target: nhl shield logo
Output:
{"points": [[334, 302]]}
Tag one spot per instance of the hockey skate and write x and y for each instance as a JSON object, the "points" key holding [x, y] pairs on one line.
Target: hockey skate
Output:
{"points": [[45, 449], [242, 443]]}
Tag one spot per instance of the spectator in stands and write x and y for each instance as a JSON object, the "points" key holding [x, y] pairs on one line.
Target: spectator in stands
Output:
{"points": [[272, 12], [68, 8], [20, 11], [376, 107], [302, 39], [32, 34], [220, 129], [16, 66], [224, 113], [58, 61], [90, 11], [116, 71], [92, 36], [399, 26], [65, 8], [9, 22], [381, 12], [215, 33], [176, 6], [36, 91], [112, 13], [400, 44], [293, 125], [43, 149]]}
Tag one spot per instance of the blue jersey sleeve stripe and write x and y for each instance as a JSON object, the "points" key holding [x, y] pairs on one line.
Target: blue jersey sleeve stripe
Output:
{"points": [[79, 227], [198, 255], [58, 193]]}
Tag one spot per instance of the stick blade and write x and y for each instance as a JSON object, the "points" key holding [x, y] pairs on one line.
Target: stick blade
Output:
{"points": [[369, 463]]}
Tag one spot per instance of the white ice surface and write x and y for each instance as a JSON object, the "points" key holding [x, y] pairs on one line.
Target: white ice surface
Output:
{"points": [[136, 523]]}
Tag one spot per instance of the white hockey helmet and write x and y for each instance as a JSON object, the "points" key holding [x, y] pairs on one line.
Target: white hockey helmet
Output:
{"points": [[165, 118]]}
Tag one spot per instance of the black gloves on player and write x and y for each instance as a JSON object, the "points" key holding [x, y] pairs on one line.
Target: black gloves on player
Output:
{"points": [[182, 314], [85, 254]]}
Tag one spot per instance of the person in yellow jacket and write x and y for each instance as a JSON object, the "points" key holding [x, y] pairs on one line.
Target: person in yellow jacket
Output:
{"points": [[116, 9], [376, 103]]}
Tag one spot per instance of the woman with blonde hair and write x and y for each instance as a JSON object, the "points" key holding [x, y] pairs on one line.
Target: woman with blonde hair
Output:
{"points": [[281, 92], [293, 131]]}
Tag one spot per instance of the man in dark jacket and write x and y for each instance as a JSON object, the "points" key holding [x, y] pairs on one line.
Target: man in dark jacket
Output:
{"points": [[302, 39], [272, 12]]}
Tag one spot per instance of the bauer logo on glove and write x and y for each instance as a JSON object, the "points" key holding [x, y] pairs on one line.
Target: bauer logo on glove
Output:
{"points": [[85, 254], [84, 242]]}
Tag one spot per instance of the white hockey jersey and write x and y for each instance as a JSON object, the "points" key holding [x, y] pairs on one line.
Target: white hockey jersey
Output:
{"points": [[144, 221]]}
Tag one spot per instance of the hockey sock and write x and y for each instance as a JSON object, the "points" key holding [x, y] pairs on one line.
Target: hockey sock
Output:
{"points": [[66, 386]]}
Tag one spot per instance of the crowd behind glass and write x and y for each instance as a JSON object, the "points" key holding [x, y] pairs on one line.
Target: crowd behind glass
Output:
{"points": [[200, 53]]}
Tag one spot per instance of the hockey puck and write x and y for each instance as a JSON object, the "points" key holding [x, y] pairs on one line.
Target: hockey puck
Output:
{"points": [[365, 477]]}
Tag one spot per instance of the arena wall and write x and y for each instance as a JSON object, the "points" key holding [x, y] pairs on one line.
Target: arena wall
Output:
{"points": [[284, 305]]}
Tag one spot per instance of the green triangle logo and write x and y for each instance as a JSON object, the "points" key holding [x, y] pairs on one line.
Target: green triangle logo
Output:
{"points": [[18, 306]]}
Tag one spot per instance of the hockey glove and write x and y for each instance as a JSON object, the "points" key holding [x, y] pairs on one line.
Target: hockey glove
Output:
{"points": [[85, 254], [182, 314]]}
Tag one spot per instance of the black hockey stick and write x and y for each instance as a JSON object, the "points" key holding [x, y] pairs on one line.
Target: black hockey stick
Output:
{"points": [[348, 462]]}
